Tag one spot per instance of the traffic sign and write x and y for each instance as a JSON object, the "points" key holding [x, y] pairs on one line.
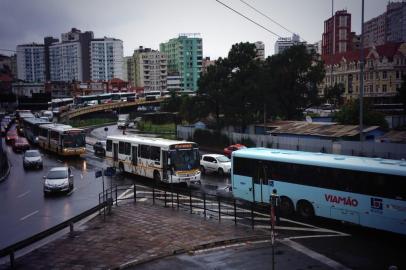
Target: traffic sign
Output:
{"points": [[110, 171], [98, 174]]}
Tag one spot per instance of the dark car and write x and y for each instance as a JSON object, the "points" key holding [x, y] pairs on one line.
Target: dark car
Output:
{"points": [[232, 148], [100, 148], [20, 144]]}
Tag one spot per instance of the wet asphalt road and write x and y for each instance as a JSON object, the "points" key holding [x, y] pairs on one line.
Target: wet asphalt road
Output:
{"points": [[24, 209]]}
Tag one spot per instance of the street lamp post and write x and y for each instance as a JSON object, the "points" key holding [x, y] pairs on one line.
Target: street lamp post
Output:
{"points": [[361, 92]]}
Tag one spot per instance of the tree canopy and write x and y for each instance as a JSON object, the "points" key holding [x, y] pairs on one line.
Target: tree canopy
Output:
{"points": [[240, 89]]}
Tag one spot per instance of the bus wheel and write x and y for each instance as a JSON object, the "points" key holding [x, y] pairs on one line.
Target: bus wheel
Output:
{"points": [[157, 177], [121, 167], [305, 209], [286, 206]]}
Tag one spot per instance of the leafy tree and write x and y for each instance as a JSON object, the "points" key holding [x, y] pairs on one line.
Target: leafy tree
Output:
{"points": [[349, 115], [172, 104], [333, 94], [296, 74]]}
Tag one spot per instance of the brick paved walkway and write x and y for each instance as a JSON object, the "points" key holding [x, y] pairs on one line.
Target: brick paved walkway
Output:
{"points": [[132, 232]]}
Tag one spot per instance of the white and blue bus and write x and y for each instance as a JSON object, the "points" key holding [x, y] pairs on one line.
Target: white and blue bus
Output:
{"points": [[370, 192]]}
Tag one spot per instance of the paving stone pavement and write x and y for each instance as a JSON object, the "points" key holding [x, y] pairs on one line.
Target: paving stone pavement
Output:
{"points": [[132, 232]]}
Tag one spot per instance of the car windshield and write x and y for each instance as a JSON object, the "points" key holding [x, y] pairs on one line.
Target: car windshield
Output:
{"points": [[185, 159], [32, 154], [223, 159], [57, 174], [74, 140]]}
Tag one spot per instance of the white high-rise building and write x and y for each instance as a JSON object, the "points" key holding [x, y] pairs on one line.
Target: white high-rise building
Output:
{"points": [[283, 43], [31, 62], [106, 59], [65, 62], [150, 69], [260, 49]]}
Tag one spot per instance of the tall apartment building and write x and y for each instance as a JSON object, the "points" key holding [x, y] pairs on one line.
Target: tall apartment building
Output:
{"points": [[31, 62], [69, 59], [387, 27], [284, 43], [106, 59], [184, 56], [260, 49], [337, 35], [65, 62], [148, 69]]}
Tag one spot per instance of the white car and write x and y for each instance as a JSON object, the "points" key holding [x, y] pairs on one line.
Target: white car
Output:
{"points": [[215, 163], [58, 179]]}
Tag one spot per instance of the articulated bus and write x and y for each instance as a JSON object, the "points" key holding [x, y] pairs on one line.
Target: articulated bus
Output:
{"points": [[159, 159], [60, 105], [62, 139], [370, 192], [32, 128]]}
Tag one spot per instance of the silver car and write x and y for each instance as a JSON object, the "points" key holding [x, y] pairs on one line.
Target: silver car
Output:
{"points": [[32, 159], [58, 179]]}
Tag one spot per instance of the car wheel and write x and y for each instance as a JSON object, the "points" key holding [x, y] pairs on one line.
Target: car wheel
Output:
{"points": [[220, 171], [202, 169]]}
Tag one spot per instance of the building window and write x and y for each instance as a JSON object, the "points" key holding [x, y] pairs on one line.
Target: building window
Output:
{"points": [[384, 88], [397, 74], [384, 75]]}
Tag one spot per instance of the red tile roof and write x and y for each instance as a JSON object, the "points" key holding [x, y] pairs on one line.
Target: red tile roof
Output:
{"points": [[388, 50]]}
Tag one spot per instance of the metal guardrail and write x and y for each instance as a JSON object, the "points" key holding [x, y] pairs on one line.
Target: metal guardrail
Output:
{"points": [[107, 106], [10, 250], [186, 198], [247, 213]]}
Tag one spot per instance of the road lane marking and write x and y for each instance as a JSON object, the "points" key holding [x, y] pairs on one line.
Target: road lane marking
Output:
{"points": [[23, 194], [317, 256], [29, 215]]}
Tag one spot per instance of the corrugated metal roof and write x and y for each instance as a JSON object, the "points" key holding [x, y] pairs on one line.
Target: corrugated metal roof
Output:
{"points": [[316, 129], [394, 136]]}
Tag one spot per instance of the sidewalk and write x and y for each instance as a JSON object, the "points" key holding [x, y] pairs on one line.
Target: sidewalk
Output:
{"points": [[133, 233]]}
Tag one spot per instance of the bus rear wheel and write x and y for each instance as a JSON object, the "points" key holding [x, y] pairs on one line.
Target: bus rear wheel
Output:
{"points": [[121, 167], [305, 209], [157, 177], [286, 206]]}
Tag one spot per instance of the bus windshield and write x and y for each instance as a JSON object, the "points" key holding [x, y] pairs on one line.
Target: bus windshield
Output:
{"points": [[74, 140], [187, 159]]}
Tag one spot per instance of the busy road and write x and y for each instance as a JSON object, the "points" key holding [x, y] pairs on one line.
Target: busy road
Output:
{"points": [[26, 211]]}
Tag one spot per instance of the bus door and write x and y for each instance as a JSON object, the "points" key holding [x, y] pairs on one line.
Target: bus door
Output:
{"points": [[165, 167], [115, 151], [134, 158], [261, 188]]}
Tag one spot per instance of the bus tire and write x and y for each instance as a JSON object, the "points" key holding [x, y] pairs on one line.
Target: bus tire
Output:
{"points": [[121, 167], [305, 209], [157, 177], [286, 206]]}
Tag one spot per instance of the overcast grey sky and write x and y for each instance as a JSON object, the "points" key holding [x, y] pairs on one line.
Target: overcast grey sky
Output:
{"points": [[149, 22]]}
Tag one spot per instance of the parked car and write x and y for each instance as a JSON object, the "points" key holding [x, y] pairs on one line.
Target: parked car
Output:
{"points": [[32, 159], [100, 148], [228, 150], [215, 163], [58, 179], [20, 144], [11, 136]]}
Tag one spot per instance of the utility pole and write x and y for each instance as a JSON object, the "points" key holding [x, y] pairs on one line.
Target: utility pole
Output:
{"points": [[361, 92]]}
